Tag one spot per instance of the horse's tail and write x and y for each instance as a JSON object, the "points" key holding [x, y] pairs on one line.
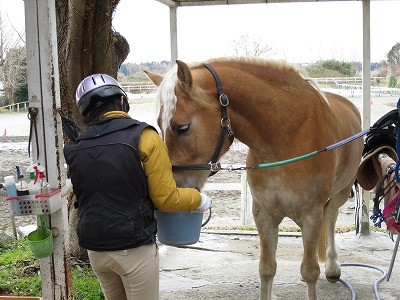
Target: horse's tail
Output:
{"points": [[322, 236]]}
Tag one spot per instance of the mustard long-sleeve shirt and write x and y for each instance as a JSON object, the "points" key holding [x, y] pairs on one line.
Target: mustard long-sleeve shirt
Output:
{"points": [[157, 167]]}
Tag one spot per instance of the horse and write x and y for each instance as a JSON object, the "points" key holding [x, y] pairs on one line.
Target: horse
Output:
{"points": [[280, 116]]}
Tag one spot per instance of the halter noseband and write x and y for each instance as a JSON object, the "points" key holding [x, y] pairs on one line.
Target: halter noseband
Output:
{"points": [[226, 130]]}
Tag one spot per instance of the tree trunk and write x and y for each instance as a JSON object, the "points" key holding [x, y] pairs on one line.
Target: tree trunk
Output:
{"points": [[87, 44]]}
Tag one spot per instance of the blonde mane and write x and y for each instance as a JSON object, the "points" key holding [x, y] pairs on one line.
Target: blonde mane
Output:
{"points": [[166, 98]]}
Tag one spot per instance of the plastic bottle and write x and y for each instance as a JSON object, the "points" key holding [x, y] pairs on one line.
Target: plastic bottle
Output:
{"points": [[33, 186], [9, 184], [44, 186]]}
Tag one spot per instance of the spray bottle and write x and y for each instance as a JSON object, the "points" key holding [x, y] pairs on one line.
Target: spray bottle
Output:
{"points": [[33, 185], [22, 186], [44, 186]]}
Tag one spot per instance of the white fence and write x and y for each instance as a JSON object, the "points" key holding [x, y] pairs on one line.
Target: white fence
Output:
{"points": [[246, 217], [139, 88], [345, 80], [16, 107]]}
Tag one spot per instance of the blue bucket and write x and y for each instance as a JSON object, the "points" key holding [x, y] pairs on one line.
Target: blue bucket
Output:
{"points": [[179, 228]]}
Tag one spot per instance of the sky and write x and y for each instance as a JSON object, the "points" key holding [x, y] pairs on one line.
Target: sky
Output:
{"points": [[296, 32]]}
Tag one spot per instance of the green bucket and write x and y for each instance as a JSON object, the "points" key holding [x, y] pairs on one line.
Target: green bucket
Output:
{"points": [[41, 242]]}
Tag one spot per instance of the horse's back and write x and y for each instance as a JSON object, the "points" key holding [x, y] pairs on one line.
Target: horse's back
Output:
{"points": [[342, 105]]}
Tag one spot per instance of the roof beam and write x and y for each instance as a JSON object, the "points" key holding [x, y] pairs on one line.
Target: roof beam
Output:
{"points": [[170, 3], [176, 3]]}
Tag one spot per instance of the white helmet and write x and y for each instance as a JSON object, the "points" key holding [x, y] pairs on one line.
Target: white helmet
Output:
{"points": [[96, 85]]}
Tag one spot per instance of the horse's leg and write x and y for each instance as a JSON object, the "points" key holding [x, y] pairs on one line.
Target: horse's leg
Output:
{"points": [[310, 227], [332, 265], [268, 233]]}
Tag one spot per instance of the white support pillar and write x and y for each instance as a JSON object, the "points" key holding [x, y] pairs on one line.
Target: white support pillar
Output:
{"points": [[366, 87], [43, 91], [173, 27]]}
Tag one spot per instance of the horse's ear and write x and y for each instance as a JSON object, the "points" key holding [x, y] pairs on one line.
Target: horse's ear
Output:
{"points": [[156, 78], [184, 74]]}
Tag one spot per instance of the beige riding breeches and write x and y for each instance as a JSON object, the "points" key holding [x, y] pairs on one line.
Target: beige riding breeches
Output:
{"points": [[131, 274]]}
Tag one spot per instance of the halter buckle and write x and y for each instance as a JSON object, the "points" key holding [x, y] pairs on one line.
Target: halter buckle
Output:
{"points": [[224, 100], [225, 122]]}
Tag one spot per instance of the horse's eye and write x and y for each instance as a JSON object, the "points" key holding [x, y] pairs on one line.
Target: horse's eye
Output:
{"points": [[181, 129]]}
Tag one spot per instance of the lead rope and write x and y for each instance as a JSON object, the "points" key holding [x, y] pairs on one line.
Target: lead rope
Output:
{"points": [[32, 116], [304, 156]]}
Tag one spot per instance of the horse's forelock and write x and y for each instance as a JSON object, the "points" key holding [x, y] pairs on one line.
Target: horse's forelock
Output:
{"points": [[166, 98]]}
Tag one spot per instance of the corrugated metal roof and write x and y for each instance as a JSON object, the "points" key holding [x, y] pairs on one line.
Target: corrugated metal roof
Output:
{"points": [[176, 3]]}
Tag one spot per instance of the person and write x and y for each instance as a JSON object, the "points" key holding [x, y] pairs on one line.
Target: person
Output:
{"points": [[121, 172]]}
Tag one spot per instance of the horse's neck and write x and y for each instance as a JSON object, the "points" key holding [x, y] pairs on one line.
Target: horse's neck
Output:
{"points": [[261, 117]]}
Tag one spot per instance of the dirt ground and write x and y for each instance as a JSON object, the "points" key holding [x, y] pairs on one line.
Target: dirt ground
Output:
{"points": [[224, 264]]}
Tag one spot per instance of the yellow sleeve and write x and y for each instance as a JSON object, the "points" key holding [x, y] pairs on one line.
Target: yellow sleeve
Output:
{"points": [[161, 184]]}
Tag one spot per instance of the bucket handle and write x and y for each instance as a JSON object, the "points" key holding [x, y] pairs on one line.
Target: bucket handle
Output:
{"points": [[208, 218]]}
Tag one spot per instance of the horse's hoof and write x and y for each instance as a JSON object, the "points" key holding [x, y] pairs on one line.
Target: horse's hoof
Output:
{"points": [[332, 279]]}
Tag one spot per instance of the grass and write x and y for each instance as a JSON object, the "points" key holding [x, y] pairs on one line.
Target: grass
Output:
{"points": [[17, 271], [19, 274]]}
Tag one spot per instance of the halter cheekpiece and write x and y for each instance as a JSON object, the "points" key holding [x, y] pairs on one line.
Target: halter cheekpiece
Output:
{"points": [[214, 166]]}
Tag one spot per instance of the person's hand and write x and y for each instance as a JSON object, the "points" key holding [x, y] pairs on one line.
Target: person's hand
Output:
{"points": [[204, 204]]}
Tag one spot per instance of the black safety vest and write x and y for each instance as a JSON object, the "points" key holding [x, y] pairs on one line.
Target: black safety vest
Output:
{"points": [[114, 208]]}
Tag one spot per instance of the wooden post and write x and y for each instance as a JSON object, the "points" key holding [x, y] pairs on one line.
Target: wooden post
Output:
{"points": [[43, 91]]}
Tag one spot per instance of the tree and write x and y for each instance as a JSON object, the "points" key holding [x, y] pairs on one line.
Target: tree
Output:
{"points": [[251, 47], [393, 59], [135, 70], [14, 76], [12, 64], [87, 44], [331, 68], [342, 67]]}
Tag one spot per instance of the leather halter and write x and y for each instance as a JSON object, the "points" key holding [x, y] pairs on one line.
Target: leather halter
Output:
{"points": [[214, 166]]}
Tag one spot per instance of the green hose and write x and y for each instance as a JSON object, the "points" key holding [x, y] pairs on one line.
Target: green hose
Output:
{"points": [[288, 161]]}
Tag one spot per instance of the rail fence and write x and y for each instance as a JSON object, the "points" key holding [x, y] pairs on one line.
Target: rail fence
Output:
{"points": [[357, 89], [135, 88], [246, 217], [16, 107], [355, 80]]}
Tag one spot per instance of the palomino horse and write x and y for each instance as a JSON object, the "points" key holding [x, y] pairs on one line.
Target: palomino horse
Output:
{"points": [[279, 115]]}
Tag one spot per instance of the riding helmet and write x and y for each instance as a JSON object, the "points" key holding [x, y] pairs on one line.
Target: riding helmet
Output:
{"points": [[95, 86]]}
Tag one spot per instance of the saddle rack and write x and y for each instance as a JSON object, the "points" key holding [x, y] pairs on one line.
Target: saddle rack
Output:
{"points": [[383, 135]]}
